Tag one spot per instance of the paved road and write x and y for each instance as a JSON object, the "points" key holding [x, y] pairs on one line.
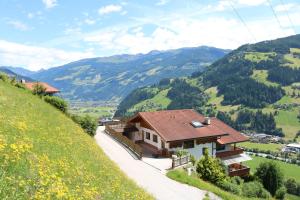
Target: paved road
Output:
{"points": [[146, 176]]}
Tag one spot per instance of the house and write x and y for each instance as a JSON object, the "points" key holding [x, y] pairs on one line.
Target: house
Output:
{"points": [[49, 89], [162, 133], [292, 148]]}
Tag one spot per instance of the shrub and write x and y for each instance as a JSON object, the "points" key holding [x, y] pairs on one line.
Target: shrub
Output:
{"points": [[87, 123], [229, 187], [236, 180], [254, 189], [209, 168], [193, 159], [291, 186], [39, 89], [4, 77], [270, 175], [181, 153], [57, 102], [280, 193]]}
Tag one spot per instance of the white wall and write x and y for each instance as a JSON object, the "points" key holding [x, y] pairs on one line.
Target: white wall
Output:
{"points": [[156, 144], [197, 151]]}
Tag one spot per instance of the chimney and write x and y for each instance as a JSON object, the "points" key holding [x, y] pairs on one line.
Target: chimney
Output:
{"points": [[207, 120]]}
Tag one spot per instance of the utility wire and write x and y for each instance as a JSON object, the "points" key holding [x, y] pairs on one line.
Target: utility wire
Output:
{"points": [[287, 14], [275, 15], [243, 22]]}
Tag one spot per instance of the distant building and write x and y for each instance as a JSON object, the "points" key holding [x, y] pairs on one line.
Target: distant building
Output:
{"points": [[292, 148], [50, 90]]}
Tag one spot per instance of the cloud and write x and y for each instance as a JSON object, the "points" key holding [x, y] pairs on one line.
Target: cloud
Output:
{"points": [[50, 3], [283, 8], [18, 25], [251, 2], [89, 21], [109, 9], [34, 57], [162, 2]]}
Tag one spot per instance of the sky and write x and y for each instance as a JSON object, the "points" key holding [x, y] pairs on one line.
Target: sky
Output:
{"points": [[37, 34]]}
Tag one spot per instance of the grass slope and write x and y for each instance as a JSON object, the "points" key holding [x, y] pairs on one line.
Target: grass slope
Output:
{"points": [[289, 170], [44, 155], [266, 147]]}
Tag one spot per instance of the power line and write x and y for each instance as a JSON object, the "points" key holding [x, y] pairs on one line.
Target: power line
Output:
{"points": [[287, 13], [275, 15], [243, 22]]}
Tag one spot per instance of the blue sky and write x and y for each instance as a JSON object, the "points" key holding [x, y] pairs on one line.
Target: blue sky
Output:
{"points": [[39, 34]]}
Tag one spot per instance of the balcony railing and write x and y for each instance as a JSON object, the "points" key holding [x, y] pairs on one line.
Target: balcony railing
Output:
{"points": [[238, 170], [233, 151]]}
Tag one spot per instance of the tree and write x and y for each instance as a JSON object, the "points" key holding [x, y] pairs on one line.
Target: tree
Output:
{"points": [[270, 175], [39, 89], [280, 193], [210, 169]]}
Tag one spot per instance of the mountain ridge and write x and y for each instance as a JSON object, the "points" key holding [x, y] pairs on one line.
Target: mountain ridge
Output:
{"points": [[94, 79]]}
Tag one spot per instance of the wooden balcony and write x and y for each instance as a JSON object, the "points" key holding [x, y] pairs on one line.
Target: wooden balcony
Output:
{"points": [[238, 170], [233, 151]]}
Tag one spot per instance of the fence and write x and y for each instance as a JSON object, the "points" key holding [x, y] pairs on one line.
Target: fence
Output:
{"points": [[180, 161], [125, 141]]}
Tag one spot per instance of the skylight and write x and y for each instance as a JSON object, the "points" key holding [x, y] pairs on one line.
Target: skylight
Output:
{"points": [[197, 124]]}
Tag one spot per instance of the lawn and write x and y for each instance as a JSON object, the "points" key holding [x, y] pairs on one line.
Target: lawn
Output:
{"points": [[181, 176], [293, 61], [289, 170], [265, 147], [45, 155], [259, 56], [288, 121], [94, 111], [158, 102], [261, 76]]}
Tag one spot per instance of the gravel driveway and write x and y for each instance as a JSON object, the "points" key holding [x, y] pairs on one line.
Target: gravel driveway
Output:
{"points": [[146, 176]]}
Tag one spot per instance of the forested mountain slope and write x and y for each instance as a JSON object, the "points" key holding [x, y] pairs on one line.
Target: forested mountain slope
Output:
{"points": [[112, 78], [45, 155], [256, 87]]}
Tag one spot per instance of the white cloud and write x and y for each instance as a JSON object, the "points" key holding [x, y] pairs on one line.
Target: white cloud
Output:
{"points": [[162, 2], [50, 3], [251, 2], [109, 9], [284, 7], [89, 21], [34, 57], [18, 25]]}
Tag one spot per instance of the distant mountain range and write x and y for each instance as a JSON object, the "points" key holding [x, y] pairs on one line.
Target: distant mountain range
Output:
{"points": [[255, 77], [13, 73], [112, 78]]}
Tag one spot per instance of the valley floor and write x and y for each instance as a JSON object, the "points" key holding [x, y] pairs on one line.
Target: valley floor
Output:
{"points": [[146, 176]]}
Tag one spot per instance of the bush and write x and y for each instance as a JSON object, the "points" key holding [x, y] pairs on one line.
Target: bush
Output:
{"points": [[87, 123], [57, 102], [181, 153], [193, 159], [291, 186], [255, 190], [270, 175], [236, 180], [4, 77], [229, 187], [39, 89], [210, 169], [280, 193]]}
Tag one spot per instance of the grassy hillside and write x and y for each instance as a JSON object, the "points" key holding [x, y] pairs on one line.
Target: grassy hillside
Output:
{"points": [[44, 155], [289, 170], [263, 76]]}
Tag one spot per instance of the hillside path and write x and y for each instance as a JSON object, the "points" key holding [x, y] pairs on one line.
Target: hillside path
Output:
{"points": [[146, 176]]}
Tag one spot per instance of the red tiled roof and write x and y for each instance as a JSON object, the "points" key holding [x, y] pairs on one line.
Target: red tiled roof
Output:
{"points": [[49, 89], [174, 125]]}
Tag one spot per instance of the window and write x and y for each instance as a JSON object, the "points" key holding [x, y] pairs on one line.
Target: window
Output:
{"points": [[220, 147], [147, 136], [155, 138], [188, 144]]}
